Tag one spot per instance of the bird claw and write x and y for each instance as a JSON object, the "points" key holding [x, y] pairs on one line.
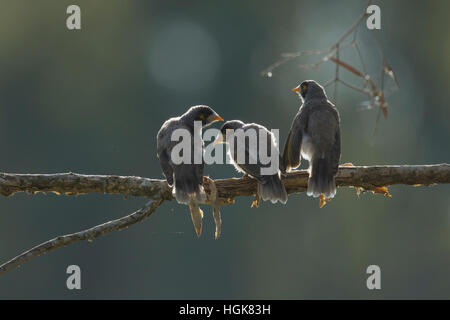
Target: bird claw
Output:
{"points": [[207, 179], [255, 201], [323, 200]]}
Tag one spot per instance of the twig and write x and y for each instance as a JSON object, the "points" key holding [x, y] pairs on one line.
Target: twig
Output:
{"points": [[87, 234]]}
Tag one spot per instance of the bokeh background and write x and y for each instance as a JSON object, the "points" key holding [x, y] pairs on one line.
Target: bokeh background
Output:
{"points": [[92, 101]]}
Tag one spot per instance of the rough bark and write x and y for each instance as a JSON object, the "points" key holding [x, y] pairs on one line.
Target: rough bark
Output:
{"points": [[220, 192], [366, 177]]}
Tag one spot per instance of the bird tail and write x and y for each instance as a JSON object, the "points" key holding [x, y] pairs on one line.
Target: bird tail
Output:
{"points": [[271, 188], [187, 188], [321, 179]]}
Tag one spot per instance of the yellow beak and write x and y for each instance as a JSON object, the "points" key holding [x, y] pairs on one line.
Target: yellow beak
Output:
{"points": [[215, 117], [296, 89], [219, 139]]}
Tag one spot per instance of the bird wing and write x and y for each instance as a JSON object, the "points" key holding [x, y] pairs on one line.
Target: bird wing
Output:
{"points": [[164, 150], [198, 168], [251, 164], [292, 148], [323, 128], [335, 153], [166, 167], [164, 146]]}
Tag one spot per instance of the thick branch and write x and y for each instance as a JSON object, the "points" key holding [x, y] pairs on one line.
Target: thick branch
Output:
{"points": [[225, 190], [74, 184]]}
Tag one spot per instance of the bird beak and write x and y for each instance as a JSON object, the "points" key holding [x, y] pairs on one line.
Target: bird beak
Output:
{"points": [[215, 117], [296, 89], [219, 139]]}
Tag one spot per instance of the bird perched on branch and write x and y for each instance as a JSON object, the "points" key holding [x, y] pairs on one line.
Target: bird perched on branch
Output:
{"points": [[247, 158], [315, 136], [181, 160]]}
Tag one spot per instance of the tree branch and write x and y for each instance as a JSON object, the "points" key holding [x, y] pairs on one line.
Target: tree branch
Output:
{"points": [[366, 177], [87, 234], [220, 192], [75, 184]]}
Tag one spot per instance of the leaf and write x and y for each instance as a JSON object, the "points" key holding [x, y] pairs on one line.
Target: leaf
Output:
{"points": [[347, 164], [382, 190]]}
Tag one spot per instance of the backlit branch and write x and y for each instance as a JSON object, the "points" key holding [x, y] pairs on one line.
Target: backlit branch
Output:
{"points": [[220, 192]]}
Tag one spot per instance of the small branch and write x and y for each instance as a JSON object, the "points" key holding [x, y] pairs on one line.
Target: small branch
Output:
{"points": [[87, 234], [225, 190]]}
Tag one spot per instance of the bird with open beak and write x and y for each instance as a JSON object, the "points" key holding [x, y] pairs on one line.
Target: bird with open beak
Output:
{"points": [[315, 136], [270, 186], [186, 178]]}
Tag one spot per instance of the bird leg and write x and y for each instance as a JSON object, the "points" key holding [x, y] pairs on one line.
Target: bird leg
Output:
{"points": [[256, 200], [215, 205], [323, 200]]}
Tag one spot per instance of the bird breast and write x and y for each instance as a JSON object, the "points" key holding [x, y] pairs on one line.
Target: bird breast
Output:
{"points": [[231, 158], [307, 147]]}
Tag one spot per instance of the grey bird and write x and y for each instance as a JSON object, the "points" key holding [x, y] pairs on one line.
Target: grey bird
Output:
{"points": [[315, 136], [186, 178], [270, 186]]}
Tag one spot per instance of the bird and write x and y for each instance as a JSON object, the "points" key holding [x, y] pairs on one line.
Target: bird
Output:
{"points": [[270, 186], [186, 177], [315, 136]]}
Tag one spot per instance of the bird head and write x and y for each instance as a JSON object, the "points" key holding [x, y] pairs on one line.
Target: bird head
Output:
{"points": [[309, 89], [229, 125], [204, 114]]}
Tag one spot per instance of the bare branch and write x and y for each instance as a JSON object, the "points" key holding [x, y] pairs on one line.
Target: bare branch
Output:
{"points": [[87, 234]]}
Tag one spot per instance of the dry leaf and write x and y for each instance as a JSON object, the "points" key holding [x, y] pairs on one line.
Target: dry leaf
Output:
{"points": [[382, 190], [347, 164]]}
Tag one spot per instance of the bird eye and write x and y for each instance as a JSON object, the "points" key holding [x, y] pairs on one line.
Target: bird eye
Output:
{"points": [[202, 116], [304, 87]]}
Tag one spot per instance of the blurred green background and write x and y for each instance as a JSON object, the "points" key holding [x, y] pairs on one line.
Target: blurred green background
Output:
{"points": [[92, 101]]}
